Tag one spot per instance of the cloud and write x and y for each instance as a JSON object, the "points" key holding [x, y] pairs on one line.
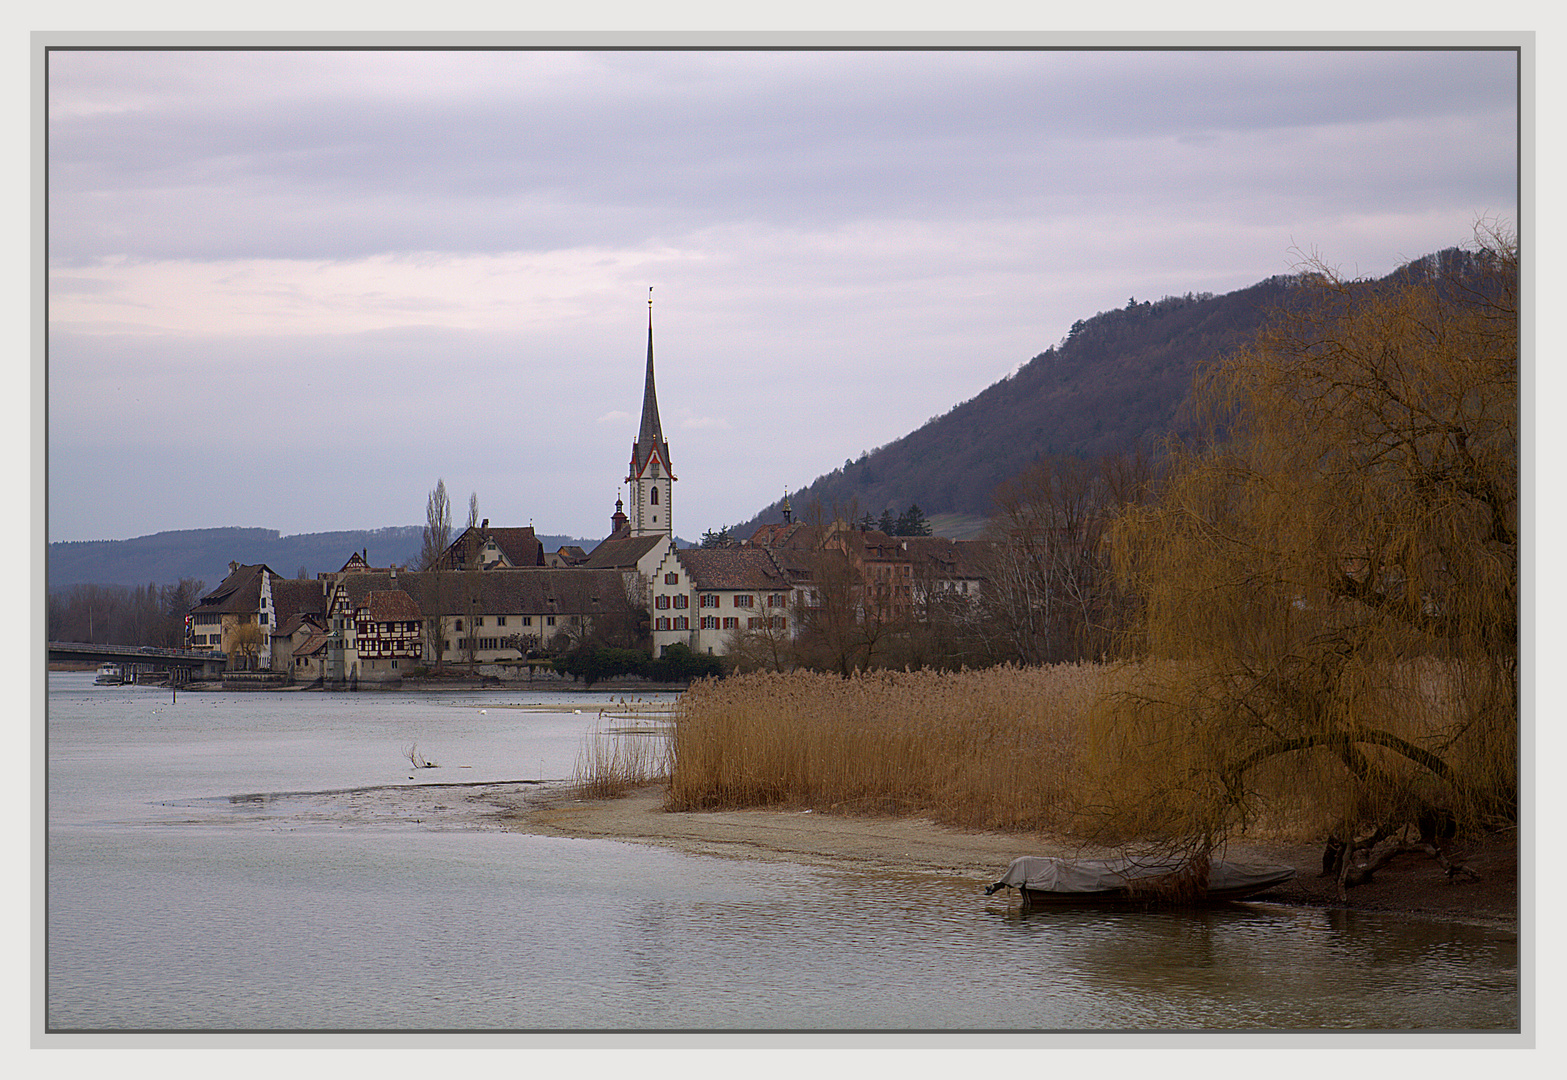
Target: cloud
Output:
{"points": [[446, 254]]}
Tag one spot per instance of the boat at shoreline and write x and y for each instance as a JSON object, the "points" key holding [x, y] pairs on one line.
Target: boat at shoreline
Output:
{"points": [[109, 675], [1048, 881]]}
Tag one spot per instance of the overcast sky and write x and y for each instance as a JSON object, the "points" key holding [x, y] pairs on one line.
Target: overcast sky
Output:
{"points": [[293, 289]]}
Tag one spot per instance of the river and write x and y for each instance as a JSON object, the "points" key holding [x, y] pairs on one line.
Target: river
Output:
{"points": [[260, 862]]}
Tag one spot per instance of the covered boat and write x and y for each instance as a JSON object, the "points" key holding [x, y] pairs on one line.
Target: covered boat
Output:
{"points": [[1047, 880]]}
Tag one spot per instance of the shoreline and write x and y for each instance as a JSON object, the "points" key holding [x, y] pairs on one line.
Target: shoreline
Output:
{"points": [[1410, 885]]}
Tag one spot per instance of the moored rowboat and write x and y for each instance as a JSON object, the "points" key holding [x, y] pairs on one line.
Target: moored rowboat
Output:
{"points": [[1044, 880]]}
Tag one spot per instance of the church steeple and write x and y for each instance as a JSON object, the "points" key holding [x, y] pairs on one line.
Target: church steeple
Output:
{"points": [[650, 474]]}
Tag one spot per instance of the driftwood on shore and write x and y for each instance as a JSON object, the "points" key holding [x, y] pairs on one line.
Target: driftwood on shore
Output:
{"points": [[1340, 859]]}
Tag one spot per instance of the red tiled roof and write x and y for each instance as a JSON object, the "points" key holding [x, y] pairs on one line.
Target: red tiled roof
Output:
{"points": [[392, 605], [732, 568]]}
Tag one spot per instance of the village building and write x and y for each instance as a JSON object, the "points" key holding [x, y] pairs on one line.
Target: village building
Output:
{"points": [[497, 604], [237, 617], [479, 546], [299, 647], [704, 597]]}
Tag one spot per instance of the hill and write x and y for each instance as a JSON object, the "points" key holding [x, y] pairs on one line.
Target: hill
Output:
{"points": [[1117, 379], [204, 554]]}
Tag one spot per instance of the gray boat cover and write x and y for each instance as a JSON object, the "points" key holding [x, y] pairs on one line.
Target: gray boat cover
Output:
{"points": [[1047, 874]]}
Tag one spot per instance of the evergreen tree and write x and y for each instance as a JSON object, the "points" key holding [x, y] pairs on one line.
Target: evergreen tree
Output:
{"points": [[912, 522]]}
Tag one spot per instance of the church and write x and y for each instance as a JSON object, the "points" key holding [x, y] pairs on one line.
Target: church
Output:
{"points": [[696, 597]]}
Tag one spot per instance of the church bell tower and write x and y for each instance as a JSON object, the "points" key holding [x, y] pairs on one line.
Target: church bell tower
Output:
{"points": [[650, 477]]}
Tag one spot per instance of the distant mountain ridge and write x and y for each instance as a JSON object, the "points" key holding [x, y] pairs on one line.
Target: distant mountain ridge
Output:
{"points": [[166, 557], [1119, 378]]}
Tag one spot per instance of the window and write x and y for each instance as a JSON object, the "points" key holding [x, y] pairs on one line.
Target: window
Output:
{"points": [[655, 493], [500, 620], [262, 618], [709, 600], [527, 620], [394, 665], [662, 623], [682, 623], [731, 624], [458, 627], [661, 602], [709, 622], [479, 621], [751, 624], [743, 599], [549, 620], [671, 579]]}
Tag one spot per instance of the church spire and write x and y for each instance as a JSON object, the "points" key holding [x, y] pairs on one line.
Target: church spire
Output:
{"points": [[650, 473], [650, 437]]}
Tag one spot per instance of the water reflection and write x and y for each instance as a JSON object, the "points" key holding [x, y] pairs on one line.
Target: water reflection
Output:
{"points": [[1259, 966], [344, 897]]}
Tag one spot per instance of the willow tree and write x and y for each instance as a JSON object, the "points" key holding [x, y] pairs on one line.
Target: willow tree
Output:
{"points": [[1328, 591]]}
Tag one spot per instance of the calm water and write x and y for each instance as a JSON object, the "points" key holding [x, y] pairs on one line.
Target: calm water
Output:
{"points": [[264, 861]]}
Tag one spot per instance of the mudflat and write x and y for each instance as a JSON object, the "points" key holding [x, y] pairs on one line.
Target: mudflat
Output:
{"points": [[1412, 883]]}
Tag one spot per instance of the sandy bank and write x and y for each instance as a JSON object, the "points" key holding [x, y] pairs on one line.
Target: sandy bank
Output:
{"points": [[1412, 883]]}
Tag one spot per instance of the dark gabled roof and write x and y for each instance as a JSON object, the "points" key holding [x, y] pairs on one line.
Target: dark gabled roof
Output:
{"points": [[975, 556], [312, 645], [392, 605], [526, 591], [622, 552], [780, 534], [942, 557], [521, 546], [236, 594], [293, 596], [292, 625], [733, 568]]}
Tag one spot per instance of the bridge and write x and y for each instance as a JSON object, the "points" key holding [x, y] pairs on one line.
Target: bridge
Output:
{"points": [[181, 664]]}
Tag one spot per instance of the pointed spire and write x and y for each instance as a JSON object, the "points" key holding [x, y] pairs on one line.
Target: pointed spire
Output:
{"points": [[650, 437]]}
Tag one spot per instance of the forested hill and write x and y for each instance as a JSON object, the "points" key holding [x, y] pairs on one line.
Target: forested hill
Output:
{"points": [[205, 554], [1117, 378]]}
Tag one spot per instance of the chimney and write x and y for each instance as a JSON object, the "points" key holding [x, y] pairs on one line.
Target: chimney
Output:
{"points": [[485, 524]]}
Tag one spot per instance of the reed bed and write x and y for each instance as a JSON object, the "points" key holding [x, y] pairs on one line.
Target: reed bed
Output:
{"points": [[1054, 750], [997, 749], [628, 748]]}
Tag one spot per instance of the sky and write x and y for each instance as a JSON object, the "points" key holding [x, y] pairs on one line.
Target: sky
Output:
{"points": [[293, 289]]}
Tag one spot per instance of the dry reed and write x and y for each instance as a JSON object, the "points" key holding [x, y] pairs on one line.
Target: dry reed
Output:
{"points": [[997, 749], [633, 753]]}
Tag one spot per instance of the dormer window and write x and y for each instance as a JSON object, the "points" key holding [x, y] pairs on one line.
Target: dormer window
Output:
{"points": [[655, 472]]}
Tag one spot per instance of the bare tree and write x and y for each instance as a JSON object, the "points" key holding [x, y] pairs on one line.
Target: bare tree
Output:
{"points": [[245, 643], [1050, 592], [473, 509], [437, 537]]}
